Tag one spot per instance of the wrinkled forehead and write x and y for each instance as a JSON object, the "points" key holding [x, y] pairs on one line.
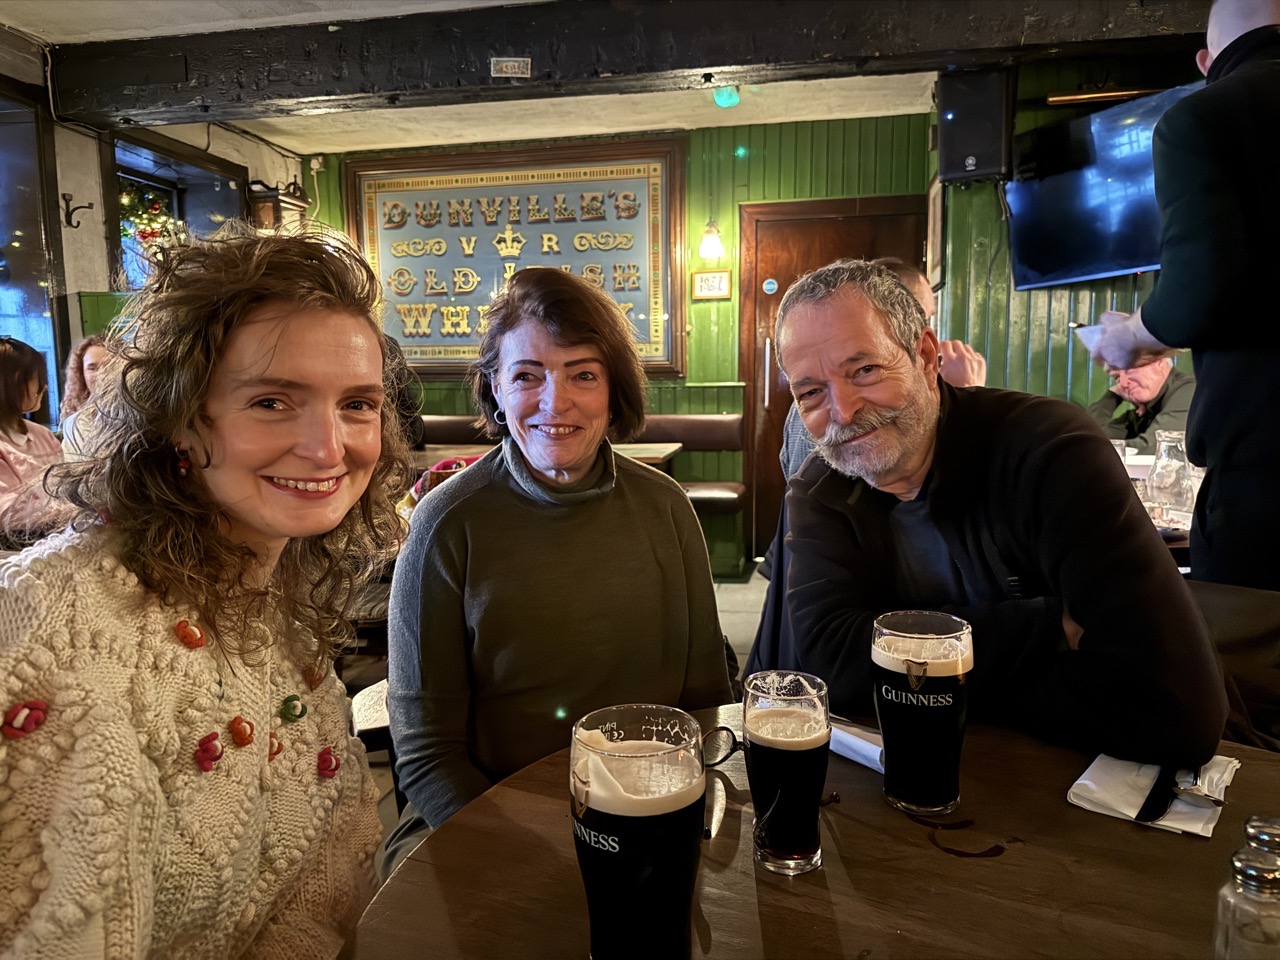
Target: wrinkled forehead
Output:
{"points": [[831, 325]]}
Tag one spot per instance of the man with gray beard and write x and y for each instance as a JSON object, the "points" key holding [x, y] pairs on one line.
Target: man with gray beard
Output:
{"points": [[1008, 510]]}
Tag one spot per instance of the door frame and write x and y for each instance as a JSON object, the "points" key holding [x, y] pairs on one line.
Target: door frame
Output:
{"points": [[750, 346]]}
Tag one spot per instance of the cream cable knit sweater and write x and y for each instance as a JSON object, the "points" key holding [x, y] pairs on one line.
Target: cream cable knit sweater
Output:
{"points": [[114, 842]]}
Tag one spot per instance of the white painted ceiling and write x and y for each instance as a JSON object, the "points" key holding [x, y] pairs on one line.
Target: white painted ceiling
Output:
{"points": [[73, 21]]}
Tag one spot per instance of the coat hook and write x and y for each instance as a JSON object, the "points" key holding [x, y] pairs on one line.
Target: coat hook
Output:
{"points": [[69, 211]]}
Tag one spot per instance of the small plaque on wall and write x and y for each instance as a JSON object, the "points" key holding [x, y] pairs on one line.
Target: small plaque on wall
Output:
{"points": [[712, 284]]}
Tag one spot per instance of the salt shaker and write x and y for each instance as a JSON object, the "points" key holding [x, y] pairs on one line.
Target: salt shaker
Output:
{"points": [[1249, 903]]}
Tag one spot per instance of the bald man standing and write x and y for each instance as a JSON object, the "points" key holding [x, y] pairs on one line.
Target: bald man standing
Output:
{"points": [[1219, 194]]}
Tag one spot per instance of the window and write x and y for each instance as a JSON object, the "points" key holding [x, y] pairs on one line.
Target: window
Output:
{"points": [[24, 268], [164, 195]]}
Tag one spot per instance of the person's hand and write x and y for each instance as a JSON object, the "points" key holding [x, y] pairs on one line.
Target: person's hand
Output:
{"points": [[961, 365], [1072, 630], [1125, 342]]}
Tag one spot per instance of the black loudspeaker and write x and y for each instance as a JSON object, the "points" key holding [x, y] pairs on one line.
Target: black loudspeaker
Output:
{"points": [[975, 124]]}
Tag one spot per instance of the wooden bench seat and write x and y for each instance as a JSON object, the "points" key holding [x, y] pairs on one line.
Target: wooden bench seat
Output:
{"points": [[702, 432]]}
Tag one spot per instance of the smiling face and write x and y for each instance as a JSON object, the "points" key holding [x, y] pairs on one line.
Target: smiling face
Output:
{"points": [[872, 409], [555, 400], [92, 361], [291, 426]]}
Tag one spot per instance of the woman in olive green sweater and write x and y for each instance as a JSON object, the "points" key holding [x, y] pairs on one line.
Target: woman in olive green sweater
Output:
{"points": [[551, 577]]}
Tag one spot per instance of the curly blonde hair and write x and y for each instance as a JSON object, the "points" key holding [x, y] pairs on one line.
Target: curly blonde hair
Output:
{"points": [[74, 390], [166, 528]]}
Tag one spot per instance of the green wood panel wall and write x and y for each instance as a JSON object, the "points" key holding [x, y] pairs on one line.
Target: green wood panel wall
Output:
{"points": [[728, 166]]}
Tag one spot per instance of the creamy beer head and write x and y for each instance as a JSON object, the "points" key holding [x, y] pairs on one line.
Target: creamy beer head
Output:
{"points": [[787, 728], [635, 778], [638, 807], [922, 642]]}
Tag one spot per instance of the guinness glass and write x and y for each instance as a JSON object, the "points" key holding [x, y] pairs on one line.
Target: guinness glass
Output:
{"points": [[786, 732], [920, 662], [638, 796]]}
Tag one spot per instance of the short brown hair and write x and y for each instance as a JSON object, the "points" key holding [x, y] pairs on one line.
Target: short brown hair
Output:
{"points": [[165, 526], [575, 313]]}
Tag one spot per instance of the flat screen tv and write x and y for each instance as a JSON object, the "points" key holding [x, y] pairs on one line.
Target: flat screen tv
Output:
{"points": [[1083, 202]]}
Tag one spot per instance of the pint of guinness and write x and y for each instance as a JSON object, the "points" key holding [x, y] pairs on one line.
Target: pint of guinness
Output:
{"points": [[920, 662], [786, 731], [638, 797]]}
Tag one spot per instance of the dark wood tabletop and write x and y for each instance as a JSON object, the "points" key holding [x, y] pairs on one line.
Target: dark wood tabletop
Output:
{"points": [[1015, 872]]}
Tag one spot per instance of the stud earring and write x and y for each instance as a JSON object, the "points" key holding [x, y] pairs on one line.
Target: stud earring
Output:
{"points": [[184, 464]]}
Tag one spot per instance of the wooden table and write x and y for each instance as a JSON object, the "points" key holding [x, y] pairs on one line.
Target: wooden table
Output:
{"points": [[1018, 871], [655, 454]]}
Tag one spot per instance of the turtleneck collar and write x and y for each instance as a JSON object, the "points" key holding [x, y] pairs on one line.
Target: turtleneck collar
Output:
{"points": [[597, 482], [1246, 47]]}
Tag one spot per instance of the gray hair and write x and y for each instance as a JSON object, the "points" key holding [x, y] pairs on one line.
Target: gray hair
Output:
{"points": [[877, 284]]}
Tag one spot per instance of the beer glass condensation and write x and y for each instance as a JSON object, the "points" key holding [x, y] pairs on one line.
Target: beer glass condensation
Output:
{"points": [[637, 791], [786, 736], [920, 662]]}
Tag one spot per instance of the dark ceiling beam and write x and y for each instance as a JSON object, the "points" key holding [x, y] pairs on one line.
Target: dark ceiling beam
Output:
{"points": [[579, 47]]}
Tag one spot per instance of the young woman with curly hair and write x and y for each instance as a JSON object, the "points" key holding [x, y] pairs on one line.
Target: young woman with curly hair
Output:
{"points": [[83, 364], [176, 769]]}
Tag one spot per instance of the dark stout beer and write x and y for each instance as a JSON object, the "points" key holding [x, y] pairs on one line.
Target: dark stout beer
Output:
{"points": [[637, 796], [921, 706], [786, 752], [639, 873]]}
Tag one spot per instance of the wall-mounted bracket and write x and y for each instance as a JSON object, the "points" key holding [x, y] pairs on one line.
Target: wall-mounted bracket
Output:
{"points": [[69, 211]]}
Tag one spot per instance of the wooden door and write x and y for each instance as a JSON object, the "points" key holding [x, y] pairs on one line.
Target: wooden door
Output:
{"points": [[780, 241]]}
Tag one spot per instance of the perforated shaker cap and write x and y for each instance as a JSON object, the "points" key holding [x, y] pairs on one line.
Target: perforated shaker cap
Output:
{"points": [[1263, 833], [1256, 870]]}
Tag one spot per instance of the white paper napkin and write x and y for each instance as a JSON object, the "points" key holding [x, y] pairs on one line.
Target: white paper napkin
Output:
{"points": [[1089, 336], [1119, 787], [860, 744]]}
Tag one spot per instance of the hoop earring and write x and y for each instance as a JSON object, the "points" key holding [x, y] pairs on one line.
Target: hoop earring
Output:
{"points": [[184, 463], [500, 417]]}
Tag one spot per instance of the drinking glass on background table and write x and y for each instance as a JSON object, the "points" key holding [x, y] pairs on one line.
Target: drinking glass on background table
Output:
{"points": [[638, 798], [786, 736], [920, 661]]}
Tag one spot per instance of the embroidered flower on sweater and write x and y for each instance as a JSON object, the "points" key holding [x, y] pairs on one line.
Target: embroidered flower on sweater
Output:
{"points": [[293, 709], [23, 718], [241, 731], [209, 752], [328, 764], [190, 634]]}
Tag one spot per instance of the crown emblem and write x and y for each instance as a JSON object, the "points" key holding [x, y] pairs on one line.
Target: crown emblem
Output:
{"points": [[509, 243]]}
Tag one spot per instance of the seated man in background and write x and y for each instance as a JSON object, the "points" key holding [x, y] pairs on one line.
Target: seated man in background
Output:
{"points": [[1006, 509], [1142, 400]]}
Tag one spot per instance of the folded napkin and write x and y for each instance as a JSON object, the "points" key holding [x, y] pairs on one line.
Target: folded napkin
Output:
{"points": [[860, 744], [1118, 788]]}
